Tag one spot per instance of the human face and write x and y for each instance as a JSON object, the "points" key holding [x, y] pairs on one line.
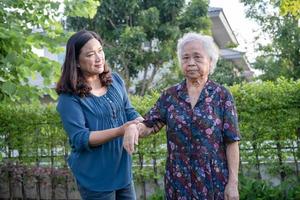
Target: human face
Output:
{"points": [[92, 58], [195, 62]]}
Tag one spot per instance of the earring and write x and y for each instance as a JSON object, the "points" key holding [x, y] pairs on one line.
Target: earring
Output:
{"points": [[78, 66]]}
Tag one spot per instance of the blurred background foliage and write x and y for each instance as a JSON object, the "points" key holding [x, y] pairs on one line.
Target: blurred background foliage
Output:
{"points": [[29, 25], [140, 41], [32, 135]]}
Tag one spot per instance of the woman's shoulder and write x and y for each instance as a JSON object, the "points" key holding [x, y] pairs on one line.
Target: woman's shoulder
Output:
{"points": [[67, 97], [174, 88], [217, 86], [117, 77], [170, 92], [65, 100], [118, 83], [221, 91]]}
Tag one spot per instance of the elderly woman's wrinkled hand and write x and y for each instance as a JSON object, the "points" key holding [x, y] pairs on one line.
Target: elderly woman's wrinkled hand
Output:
{"points": [[231, 192], [131, 137]]}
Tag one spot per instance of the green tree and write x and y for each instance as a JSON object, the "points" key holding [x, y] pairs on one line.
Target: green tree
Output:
{"points": [[141, 36], [226, 73], [290, 7], [281, 56], [25, 25]]}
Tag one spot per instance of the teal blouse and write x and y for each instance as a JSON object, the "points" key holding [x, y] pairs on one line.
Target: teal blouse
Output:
{"points": [[106, 167]]}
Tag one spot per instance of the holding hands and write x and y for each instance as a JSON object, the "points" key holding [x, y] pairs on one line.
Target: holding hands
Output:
{"points": [[131, 138], [134, 131]]}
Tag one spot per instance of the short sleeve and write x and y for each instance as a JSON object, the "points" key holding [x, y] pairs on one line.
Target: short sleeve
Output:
{"points": [[73, 121], [157, 113], [230, 119], [131, 113]]}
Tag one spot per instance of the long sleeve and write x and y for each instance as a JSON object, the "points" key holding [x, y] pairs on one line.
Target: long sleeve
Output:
{"points": [[131, 113], [74, 122], [157, 113]]}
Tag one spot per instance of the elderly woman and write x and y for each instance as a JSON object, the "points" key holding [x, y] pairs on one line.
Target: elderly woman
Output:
{"points": [[202, 128]]}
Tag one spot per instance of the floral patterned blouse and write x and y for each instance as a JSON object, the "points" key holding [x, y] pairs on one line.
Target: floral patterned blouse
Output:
{"points": [[196, 166]]}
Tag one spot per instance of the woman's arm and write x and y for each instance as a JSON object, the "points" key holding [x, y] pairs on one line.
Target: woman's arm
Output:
{"points": [[132, 134], [144, 130], [154, 121], [231, 136], [134, 131], [232, 154], [100, 137]]}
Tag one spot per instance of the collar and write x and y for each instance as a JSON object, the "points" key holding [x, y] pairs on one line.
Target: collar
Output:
{"points": [[182, 92]]}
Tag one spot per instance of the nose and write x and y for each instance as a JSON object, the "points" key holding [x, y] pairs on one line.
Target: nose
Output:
{"points": [[191, 61], [99, 56]]}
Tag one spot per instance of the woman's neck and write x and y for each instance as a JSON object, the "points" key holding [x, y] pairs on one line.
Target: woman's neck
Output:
{"points": [[94, 82], [196, 83]]}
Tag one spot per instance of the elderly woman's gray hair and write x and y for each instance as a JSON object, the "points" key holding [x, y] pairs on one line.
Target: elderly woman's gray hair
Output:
{"points": [[208, 43]]}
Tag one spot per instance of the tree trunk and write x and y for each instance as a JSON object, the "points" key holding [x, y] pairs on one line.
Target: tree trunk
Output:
{"points": [[144, 193], [148, 81], [66, 168], [281, 167], [257, 162], [10, 185], [37, 161], [38, 187], [52, 174], [126, 75], [155, 68], [144, 83], [294, 151], [23, 168], [155, 164], [67, 188], [23, 187], [297, 150], [9, 173]]}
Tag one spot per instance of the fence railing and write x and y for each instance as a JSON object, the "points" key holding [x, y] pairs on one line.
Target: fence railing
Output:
{"points": [[42, 172]]}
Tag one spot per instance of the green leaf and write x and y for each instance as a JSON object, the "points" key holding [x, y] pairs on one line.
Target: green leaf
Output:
{"points": [[87, 8], [9, 88]]}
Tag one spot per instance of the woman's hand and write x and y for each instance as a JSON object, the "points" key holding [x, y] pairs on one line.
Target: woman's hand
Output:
{"points": [[135, 130], [127, 124], [131, 137], [231, 191], [145, 131]]}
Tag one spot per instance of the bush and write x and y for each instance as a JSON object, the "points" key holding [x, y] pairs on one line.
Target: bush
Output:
{"points": [[268, 115], [158, 195], [250, 189]]}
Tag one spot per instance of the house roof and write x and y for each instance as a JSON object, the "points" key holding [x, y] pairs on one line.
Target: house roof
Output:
{"points": [[224, 37], [221, 30], [237, 57]]}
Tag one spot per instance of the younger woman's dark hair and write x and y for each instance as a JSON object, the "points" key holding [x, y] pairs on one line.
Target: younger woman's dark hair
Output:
{"points": [[72, 80]]}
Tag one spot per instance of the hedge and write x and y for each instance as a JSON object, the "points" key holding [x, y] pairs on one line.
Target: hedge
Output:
{"points": [[269, 118]]}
